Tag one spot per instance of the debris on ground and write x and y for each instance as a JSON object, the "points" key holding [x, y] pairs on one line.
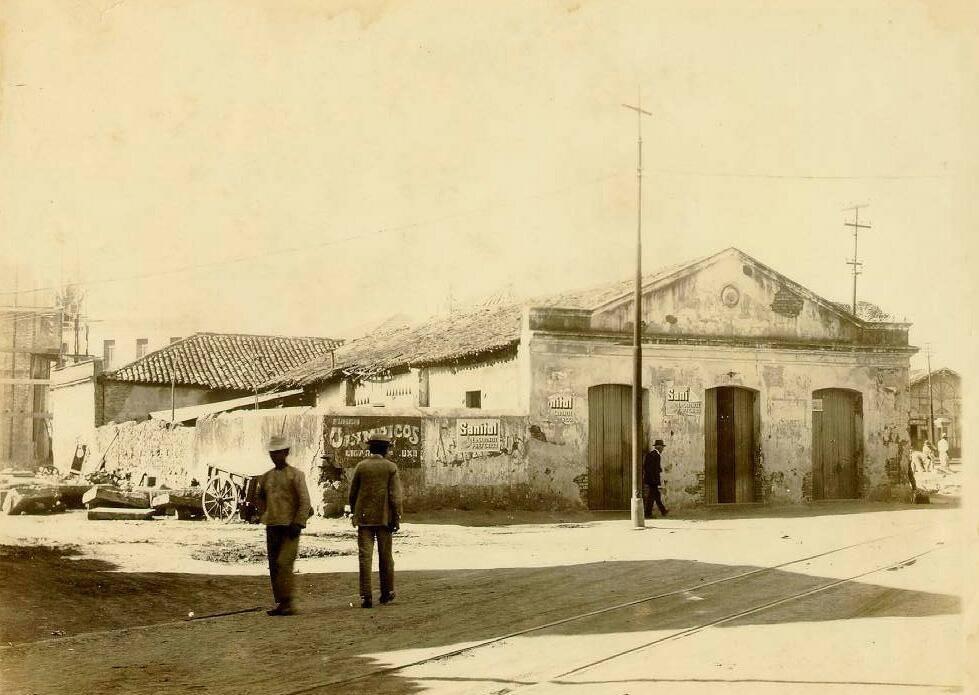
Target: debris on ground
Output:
{"points": [[111, 496], [235, 552], [185, 503]]}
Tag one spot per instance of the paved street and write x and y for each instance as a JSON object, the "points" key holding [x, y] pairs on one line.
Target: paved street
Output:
{"points": [[753, 603]]}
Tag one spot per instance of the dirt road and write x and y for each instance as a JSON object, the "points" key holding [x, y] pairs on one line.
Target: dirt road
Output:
{"points": [[687, 583]]}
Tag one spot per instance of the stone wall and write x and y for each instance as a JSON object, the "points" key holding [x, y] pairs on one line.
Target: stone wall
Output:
{"points": [[783, 380], [153, 448]]}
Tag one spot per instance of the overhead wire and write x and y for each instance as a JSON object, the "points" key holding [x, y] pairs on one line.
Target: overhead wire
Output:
{"points": [[468, 213]]}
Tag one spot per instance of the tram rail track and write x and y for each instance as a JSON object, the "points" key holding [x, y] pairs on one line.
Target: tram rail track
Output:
{"points": [[482, 644]]}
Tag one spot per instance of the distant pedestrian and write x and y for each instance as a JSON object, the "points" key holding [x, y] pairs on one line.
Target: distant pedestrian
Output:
{"points": [[375, 505], [283, 500], [652, 470], [943, 452], [928, 452]]}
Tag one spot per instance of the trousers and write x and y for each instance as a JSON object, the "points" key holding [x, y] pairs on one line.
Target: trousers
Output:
{"points": [[652, 495], [282, 551], [366, 536]]}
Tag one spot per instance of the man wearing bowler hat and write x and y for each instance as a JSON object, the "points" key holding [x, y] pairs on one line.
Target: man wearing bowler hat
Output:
{"points": [[652, 469], [283, 499], [375, 505]]}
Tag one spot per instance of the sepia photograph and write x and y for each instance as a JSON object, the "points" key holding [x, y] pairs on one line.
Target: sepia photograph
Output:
{"points": [[579, 347]]}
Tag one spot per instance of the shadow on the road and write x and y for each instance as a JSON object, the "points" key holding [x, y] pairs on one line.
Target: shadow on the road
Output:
{"points": [[476, 518], [333, 640]]}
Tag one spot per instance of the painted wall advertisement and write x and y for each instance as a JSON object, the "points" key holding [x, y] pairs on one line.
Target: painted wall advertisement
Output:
{"points": [[345, 438], [678, 403], [560, 407], [478, 435]]}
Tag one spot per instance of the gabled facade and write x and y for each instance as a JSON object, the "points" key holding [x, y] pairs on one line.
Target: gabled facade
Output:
{"points": [[762, 390]]}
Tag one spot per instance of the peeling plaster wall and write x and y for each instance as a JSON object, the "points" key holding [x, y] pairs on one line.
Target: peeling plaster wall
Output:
{"points": [[563, 370], [765, 306]]}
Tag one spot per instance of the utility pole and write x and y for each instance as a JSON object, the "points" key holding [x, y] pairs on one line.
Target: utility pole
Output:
{"points": [[638, 518], [931, 399], [855, 263]]}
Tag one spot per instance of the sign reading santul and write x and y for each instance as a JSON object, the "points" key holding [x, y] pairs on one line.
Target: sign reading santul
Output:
{"points": [[477, 435], [346, 438]]}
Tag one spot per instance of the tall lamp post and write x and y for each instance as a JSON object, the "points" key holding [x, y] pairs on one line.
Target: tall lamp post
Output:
{"points": [[638, 519]]}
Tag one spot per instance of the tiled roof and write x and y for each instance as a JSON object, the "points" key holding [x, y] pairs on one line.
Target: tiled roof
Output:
{"points": [[223, 360], [866, 311], [441, 339]]}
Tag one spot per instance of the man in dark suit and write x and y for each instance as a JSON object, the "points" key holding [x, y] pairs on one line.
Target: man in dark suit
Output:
{"points": [[652, 470], [375, 504]]}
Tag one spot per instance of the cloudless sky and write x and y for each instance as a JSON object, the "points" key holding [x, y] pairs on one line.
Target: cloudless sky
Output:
{"points": [[369, 158]]}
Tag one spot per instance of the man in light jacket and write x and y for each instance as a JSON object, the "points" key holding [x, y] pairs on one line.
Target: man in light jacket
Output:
{"points": [[375, 505], [283, 499]]}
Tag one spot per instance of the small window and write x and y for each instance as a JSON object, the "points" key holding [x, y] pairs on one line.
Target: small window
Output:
{"points": [[474, 399], [141, 345]]}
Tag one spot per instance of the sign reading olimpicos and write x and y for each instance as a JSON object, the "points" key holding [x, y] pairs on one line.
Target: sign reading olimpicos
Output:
{"points": [[345, 438]]}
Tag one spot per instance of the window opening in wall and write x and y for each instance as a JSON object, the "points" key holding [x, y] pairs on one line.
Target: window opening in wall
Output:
{"points": [[141, 345], [474, 399]]}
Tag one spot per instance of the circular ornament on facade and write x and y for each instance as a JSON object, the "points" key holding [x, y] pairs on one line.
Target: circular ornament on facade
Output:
{"points": [[730, 296]]}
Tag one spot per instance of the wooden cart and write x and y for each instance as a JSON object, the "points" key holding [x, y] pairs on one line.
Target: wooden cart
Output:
{"points": [[230, 488]]}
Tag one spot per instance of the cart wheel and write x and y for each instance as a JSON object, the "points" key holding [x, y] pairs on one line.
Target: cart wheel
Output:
{"points": [[220, 499]]}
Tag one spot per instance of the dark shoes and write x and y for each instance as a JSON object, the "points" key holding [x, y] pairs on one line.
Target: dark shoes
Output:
{"points": [[387, 598], [367, 602], [283, 609]]}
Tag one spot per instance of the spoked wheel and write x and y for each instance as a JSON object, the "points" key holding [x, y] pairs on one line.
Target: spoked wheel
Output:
{"points": [[220, 499]]}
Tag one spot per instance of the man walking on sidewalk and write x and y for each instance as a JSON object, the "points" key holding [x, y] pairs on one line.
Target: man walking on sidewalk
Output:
{"points": [[652, 469], [283, 499], [375, 504]]}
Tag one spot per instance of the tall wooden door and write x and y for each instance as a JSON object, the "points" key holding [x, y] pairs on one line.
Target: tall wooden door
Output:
{"points": [[609, 446], [729, 443], [837, 443]]}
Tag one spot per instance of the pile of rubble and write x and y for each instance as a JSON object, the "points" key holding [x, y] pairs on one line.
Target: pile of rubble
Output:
{"points": [[104, 495]]}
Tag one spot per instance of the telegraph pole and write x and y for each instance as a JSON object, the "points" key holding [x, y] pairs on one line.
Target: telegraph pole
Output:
{"points": [[638, 518], [855, 263]]}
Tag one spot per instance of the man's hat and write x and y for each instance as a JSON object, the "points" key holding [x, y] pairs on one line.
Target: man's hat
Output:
{"points": [[659, 442], [278, 443]]}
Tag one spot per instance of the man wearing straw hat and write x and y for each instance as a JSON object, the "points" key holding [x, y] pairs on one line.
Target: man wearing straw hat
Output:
{"points": [[284, 502], [375, 505]]}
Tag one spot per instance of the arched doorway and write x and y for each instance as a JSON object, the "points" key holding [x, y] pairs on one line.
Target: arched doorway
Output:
{"points": [[610, 446], [837, 443], [729, 445]]}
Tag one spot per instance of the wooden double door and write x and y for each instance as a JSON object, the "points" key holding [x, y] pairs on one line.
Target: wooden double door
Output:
{"points": [[729, 445], [610, 446], [837, 443]]}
